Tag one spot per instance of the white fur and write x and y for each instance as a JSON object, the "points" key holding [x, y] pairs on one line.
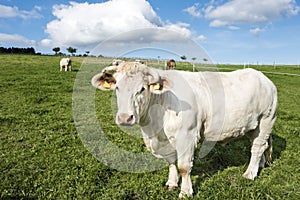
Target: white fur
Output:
{"points": [[65, 63]]}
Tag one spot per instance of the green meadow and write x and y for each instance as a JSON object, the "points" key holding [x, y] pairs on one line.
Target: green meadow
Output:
{"points": [[42, 155]]}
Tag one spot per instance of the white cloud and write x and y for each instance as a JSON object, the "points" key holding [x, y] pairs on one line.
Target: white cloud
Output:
{"points": [[233, 28], [201, 38], [193, 10], [82, 24], [250, 12], [218, 23], [182, 28], [15, 40], [9, 12], [256, 31]]}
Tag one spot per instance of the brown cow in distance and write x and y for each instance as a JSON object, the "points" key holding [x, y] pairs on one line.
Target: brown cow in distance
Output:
{"points": [[171, 64]]}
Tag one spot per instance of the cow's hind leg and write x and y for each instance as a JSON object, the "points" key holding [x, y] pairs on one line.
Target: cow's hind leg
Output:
{"points": [[261, 147]]}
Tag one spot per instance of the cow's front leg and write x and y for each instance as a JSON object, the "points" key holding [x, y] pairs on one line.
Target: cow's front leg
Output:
{"points": [[172, 182], [185, 163], [186, 183]]}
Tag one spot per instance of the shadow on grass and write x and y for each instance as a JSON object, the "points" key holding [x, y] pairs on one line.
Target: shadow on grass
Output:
{"points": [[235, 153]]}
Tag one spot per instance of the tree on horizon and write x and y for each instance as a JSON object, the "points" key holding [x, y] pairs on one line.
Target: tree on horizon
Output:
{"points": [[71, 50], [183, 57], [56, 50]]}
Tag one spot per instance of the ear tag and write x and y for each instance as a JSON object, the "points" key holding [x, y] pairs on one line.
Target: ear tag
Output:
{"points": [[106, 85], [156, 86]]}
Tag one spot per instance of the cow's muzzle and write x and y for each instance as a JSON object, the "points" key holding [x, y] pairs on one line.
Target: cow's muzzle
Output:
{"points": [[125, 119]]}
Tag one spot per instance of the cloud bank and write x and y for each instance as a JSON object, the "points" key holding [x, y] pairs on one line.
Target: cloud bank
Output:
{"points": [[250, 12], [9, 12], [232, 13], [82, 24]]}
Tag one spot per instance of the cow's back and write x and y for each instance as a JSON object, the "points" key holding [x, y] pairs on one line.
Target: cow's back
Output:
{"points": [[244, 97], [248, 88], [65, 61]]}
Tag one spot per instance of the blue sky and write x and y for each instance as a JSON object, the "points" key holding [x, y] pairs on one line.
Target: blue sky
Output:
{"points": [[229, 31]]}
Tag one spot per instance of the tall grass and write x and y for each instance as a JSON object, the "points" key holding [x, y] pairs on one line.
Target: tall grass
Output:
{"points": [[42, 156]]}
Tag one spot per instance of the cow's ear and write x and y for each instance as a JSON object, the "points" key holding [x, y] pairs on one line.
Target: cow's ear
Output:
{"points": [[104, 81], [160, 86]]}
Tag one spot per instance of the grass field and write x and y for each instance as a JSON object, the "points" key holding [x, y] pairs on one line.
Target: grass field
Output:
{"points": [[43, 157]]}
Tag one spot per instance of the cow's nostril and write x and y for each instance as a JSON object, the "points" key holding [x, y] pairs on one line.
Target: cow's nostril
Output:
{"points": [[125, 119], [130, 118]]}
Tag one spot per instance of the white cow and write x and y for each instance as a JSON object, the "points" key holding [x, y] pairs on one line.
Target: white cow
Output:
{"points": [[116, 62], [65, 63], [178, 109]]}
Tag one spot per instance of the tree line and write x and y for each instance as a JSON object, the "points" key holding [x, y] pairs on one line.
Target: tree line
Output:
{"points": [[31, 50], [17, 50]]}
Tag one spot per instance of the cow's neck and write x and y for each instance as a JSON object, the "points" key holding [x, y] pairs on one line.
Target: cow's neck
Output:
{"points": [[155, 103], [157, 106]]}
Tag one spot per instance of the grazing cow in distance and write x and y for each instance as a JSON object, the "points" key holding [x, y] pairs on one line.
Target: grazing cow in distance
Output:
{"points": [[177, 109], [171, 64], [116, 62], [140, 61], [65, 63]]}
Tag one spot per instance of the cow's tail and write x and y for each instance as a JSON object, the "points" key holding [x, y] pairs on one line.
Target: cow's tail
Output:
{"points": [[268, 152]]}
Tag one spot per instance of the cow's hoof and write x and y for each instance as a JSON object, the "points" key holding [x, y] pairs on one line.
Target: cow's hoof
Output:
{"points": [[183, 195], [248, 175], [172, 187]]}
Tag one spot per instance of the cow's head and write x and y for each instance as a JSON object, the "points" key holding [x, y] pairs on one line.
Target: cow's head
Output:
{"points": [[134, 83]]}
